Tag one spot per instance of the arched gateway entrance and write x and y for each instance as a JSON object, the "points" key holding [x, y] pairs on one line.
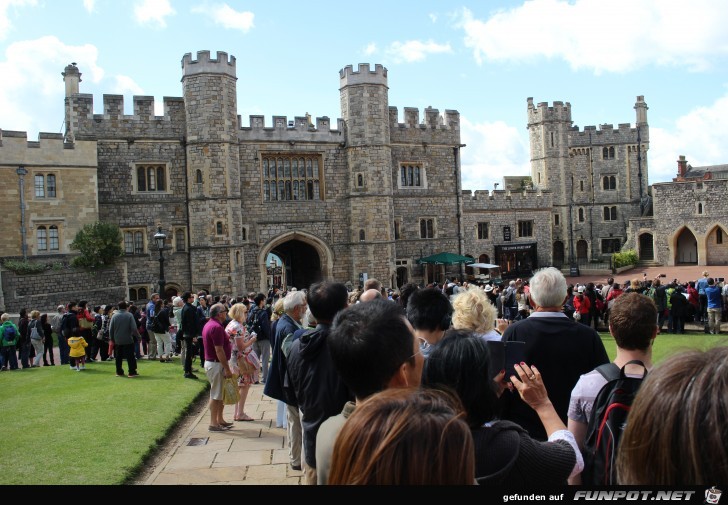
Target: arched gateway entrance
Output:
{"points": [[306, 259]]}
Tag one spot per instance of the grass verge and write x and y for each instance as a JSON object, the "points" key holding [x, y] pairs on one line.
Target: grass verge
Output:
{"points": [[88, 427]]}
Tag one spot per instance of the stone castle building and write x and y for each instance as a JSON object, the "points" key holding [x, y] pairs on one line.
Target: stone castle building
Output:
{"points": [[367, 195]]}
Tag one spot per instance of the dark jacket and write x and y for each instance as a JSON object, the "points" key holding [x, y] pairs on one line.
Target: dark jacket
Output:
{"points": [[679, 304], [562, 351], [188, 324], [24, 334], [69, 323], [319, 389], [202, 318], [262, 316], [277, 384], [163, 319]]}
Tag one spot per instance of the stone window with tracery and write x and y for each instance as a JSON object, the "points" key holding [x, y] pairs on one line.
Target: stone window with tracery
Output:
{"points": [[292, 177], [150, 178]]}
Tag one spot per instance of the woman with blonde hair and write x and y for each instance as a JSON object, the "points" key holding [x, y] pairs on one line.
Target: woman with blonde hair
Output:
{"points": [[473, 311], [243, 357]]}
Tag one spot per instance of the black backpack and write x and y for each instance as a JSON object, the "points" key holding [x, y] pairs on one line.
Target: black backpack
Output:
{"points": [[157, 326], [607, 422], [253, 322]]}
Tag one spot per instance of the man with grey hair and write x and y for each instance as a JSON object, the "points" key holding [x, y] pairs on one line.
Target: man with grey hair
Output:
{"points": [[278, 384], [559, 348], [217, 348]]}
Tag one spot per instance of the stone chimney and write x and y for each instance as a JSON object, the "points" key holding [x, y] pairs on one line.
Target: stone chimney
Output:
{"points": [[682, 166]]}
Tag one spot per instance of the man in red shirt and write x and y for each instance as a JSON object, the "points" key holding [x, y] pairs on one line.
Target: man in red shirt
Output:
{"points": [[217, 367]]}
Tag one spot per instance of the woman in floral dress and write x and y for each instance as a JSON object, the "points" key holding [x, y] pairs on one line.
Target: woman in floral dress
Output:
{"points": [[242, 350]]}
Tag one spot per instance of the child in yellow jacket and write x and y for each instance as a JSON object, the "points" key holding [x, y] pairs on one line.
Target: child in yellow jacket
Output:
{"points": [[77, 354]]}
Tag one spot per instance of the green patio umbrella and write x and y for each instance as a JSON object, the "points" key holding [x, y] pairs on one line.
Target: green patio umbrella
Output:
{"points": [[445, 258]]}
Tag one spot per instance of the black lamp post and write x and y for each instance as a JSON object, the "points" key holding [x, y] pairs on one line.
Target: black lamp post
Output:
{"points": [[159, 238], [639, 169], [22, 172]]}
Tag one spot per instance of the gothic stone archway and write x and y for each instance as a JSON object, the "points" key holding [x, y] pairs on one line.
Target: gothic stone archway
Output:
{"points": [[306, 259], [686, 248]]}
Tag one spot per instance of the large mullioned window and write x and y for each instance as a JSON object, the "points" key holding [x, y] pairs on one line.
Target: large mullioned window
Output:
{"points": [[292, 178]]}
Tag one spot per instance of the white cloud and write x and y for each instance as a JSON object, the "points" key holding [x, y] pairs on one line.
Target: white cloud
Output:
{"points": [[433, 18], [370, 49], [32, 85], [5, 5], [227, 17], [153, 12], [123, 85], [615, 36], [415, 50], [700, 136], [491, 151], [89, 5]]}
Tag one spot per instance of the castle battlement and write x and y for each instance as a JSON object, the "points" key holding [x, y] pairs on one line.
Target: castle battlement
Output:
{"points": [[543, 112], [8, 137], [351, 77], [433, 119], [299, 130], [606, 134], [114, 123], [501, 199], [204, 64], [17, 150], [435, 129]]}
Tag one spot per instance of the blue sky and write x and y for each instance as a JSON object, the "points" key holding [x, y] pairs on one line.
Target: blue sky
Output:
{"points": [[481, 58]]}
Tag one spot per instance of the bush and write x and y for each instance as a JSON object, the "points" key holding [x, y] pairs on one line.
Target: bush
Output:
{"points": [[624, 258], [99, 245], [25, 267]]}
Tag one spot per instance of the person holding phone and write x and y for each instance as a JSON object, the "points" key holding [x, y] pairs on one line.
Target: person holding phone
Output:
{"points": [[560, 348], [505, 454]]}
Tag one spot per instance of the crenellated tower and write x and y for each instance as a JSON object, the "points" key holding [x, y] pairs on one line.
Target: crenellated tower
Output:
{"points": [[598, 178], [213, 169], [548, 130], [365, 110]]}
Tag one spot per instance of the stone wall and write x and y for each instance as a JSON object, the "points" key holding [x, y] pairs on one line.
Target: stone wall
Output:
{"points": [[47, 290], [697, 208]]}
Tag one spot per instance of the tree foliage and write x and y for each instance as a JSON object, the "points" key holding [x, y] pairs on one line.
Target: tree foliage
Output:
{"points": [[624, 258], [99, 244]]}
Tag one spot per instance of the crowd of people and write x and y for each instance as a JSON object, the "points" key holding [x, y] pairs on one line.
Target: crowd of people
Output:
{"points": [[400, 386], [79, 333], [407, 386]]}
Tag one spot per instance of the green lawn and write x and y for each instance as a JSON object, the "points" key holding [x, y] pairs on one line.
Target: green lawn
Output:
{"points": [[667, 344], [88, 427]]}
